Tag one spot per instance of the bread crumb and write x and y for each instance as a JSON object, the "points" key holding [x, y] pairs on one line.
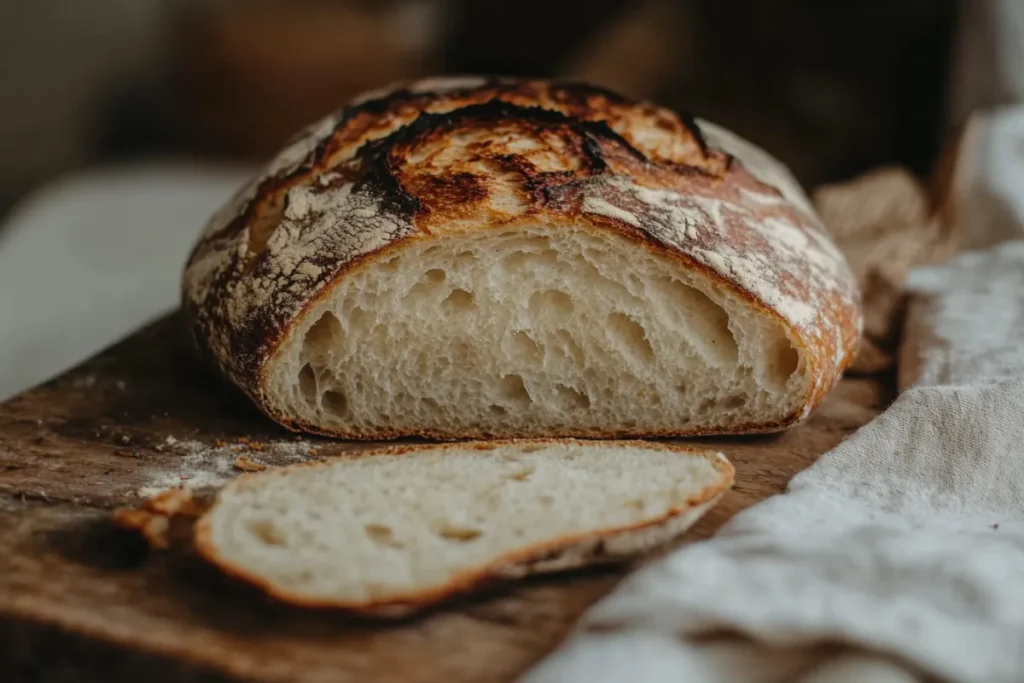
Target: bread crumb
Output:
{"points": [[248, 465]]}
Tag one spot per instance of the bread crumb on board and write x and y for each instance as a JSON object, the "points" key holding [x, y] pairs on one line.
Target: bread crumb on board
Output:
{"points": [[248, 464], [200, 465]]}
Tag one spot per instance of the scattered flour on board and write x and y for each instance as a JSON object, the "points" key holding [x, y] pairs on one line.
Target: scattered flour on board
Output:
{"points": [[200, 465]]}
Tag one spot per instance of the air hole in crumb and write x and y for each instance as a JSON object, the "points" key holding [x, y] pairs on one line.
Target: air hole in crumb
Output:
{"points": [[430, 405], [391, 265], [513, 389], [307, 383], [547, 500], [531, 449], [710, 316], [336, 402], [525, 348], [570, 398], [786, 360], [266, 532], [633, 336], [525, 259], [323, 335], [460, 301], [734, 402], [429, 285], [551, 301], [461, 534], [715, 316], [498, 410], [383, 534], [635, 504]]}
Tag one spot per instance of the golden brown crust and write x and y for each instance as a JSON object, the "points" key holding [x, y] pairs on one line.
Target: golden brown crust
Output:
{"points": [[592, 546], [430, 159]]}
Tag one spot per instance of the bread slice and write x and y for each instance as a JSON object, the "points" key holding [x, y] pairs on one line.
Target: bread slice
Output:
{"points": [[522, 259], [396, 530]]}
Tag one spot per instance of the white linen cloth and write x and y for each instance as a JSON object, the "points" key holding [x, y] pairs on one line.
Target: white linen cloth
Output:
{"points": [[898, 556]]}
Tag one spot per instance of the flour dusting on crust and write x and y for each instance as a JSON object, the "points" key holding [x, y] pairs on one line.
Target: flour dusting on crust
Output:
{"points": [[780, 260]]}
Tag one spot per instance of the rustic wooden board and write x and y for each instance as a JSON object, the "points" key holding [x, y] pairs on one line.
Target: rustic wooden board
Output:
{"points": [[81, 600]]}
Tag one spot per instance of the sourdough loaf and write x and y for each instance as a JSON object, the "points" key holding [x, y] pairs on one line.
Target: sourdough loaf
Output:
{"points": [[463, 258], [392, 531]]}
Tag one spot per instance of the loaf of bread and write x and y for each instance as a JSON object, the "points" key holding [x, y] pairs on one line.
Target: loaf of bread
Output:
{"points": [[463, 258], [392, 531]]}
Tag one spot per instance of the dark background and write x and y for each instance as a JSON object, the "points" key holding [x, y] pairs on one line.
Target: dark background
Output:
{"points": [[832, 87]]}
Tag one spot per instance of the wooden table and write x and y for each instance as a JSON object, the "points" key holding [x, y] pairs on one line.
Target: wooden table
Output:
{"points": [[81, 600]]}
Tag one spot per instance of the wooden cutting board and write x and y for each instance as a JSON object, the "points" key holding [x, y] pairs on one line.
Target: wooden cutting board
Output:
{"points": [[81, 600]]}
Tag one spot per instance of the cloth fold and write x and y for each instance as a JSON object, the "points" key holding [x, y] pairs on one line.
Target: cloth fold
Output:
{"points": [[897, 556], [906, 540]]}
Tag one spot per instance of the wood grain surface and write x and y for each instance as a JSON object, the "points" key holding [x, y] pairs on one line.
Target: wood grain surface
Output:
{"points": [[81, 600]]}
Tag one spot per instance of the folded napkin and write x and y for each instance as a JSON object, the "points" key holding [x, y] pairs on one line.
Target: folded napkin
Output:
{"points": [[898, 556]]}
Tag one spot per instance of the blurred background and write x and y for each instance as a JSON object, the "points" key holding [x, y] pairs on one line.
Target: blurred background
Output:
{"points": [[831, 87], [125, 123]]}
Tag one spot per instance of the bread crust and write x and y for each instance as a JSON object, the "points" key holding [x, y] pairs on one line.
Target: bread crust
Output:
{"points": [[449, 157], [610, 545]]}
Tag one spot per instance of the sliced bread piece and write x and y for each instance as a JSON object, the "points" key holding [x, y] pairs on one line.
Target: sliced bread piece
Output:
{"points": [[399, 529]]}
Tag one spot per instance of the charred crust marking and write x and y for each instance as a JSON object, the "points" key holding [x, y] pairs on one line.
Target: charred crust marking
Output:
{"points": [[583, 103], [380, 181], [690, 121]]}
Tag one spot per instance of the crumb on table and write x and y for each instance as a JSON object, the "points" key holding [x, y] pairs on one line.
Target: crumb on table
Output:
{"points": [[248, 465]]}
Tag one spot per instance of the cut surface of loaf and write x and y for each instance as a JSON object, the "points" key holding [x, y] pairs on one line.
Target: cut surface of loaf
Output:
{"points": [[397, 530], [504, 258], [534, 331]]}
